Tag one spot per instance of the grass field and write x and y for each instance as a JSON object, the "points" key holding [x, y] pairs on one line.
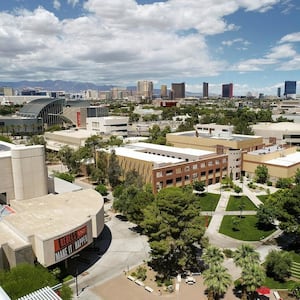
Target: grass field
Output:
{"points": [[273, 284], [208, 201], [247, 229], [263, 198], [235, 202]]}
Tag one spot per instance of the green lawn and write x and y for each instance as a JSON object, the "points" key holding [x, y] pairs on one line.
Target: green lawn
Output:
{"points": [[235, 202], [247, 229], [263, 198], [208, 201], [295, 256], [273, 284]]}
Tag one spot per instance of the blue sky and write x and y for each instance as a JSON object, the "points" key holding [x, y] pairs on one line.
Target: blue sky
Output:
{"points": [[255, 44]]}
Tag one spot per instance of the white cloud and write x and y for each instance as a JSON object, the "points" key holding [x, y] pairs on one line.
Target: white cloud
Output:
{"points": [[291, 38], [73, 2], [236, 41], [119, 41], [56, 4], [282, 51]]}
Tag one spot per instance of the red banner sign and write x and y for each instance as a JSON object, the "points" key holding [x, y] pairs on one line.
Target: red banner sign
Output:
{"points": [[69, 243]]}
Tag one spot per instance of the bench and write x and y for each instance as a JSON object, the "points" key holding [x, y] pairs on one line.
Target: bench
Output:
{"points": [[276, 295], [131, 278], [140, 283], [149, 289]]}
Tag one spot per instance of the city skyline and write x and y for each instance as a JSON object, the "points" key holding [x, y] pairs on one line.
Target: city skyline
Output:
{"points": [[255, 44]]}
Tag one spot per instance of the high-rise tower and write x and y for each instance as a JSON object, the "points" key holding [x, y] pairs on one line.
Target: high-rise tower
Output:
{"points": [[205, 90], [178, 90], [227, 90], [145, 89]]}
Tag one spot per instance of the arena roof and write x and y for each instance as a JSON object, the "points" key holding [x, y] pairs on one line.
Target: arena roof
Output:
{"points": [[34, 107], [45, 293]]}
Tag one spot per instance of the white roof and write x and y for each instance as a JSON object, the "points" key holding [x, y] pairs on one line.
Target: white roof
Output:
{"points": [[187, 151], [286, 161], [281, 126], [157, 159], [45, 293]]}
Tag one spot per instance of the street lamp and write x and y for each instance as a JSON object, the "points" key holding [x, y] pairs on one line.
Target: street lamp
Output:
{"points": [[76, 273]]}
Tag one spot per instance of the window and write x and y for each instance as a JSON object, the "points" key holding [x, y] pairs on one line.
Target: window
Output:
{"points": [[187, 177], [203, 174], [169, 172], [210, 163], [195, 167], [178, 179], [159, 174], [187, 168], [195, 175], [169, 181], [203, 165]]}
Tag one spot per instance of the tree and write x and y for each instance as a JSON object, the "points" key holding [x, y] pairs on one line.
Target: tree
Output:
{"points": [[237, 189], [265, 215], [5, 139], [253, 276], [297, 176], [235, 222], [212, 256], [262, 174], [217, 280], [278, 265], [99, 172], [25, 278], [114, 169], [173, 225], [284, 183], [199, 186], [248, 259], [244, 255], [101, 189], [286, 205]]}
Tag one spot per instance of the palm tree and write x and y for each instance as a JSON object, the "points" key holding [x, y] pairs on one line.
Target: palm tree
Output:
{"points": [[212, 255], [253, 277], [217, 281], [245, 257], [245, 254]]}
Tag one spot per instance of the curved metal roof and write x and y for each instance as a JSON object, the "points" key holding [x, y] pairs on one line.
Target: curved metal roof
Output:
{"points": [[34, 107]]}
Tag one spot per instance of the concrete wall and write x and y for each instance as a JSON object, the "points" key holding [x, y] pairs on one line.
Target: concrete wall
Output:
{"points": [[6, 178], [29, 172]]}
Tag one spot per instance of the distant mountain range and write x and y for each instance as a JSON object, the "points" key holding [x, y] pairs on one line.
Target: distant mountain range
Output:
{"points": [[67, 86]]}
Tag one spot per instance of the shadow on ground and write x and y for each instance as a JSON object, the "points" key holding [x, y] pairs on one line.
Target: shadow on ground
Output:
{"points": [[90, 255]]}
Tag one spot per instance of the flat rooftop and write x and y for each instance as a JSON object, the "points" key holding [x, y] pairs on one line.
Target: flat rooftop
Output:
{"points": [[266, 150], [232, 137], [176, 150], [286, 161], [50, 215], [80, 133], [281, 126], [157, 160]]}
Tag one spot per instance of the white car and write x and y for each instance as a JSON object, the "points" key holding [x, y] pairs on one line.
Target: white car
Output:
{"points": [[190, 280]]}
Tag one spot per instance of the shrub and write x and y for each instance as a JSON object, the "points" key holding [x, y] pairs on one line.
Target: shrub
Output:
{"points": [[228, 253], [141, 273]]}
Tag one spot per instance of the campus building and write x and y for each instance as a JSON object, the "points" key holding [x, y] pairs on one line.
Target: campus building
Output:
{"points": [[205, 90], [36, 225], [290, 88], [282, 162], [278, 133], [165, 166]]}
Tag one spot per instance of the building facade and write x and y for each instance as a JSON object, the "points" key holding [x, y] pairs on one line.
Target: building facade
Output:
{"points": [[205, 90], [227, 90], [178, 90], [290, 88], [35, 225], [145, 89], [165, 166]]}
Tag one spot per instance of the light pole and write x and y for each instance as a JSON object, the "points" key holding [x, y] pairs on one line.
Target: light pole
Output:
{"points": [[76, 273]]}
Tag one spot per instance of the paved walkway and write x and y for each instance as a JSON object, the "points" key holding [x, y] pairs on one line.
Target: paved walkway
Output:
{"points": [[129, 249]]}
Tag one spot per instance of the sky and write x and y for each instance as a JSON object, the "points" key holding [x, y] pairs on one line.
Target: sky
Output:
{"points": [[254, 44]]}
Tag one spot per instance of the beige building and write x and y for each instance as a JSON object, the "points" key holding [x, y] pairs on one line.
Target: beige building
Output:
{"points": [[35, 225], [213, 137], [164, 166], [281, 162], [278, 133]]}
